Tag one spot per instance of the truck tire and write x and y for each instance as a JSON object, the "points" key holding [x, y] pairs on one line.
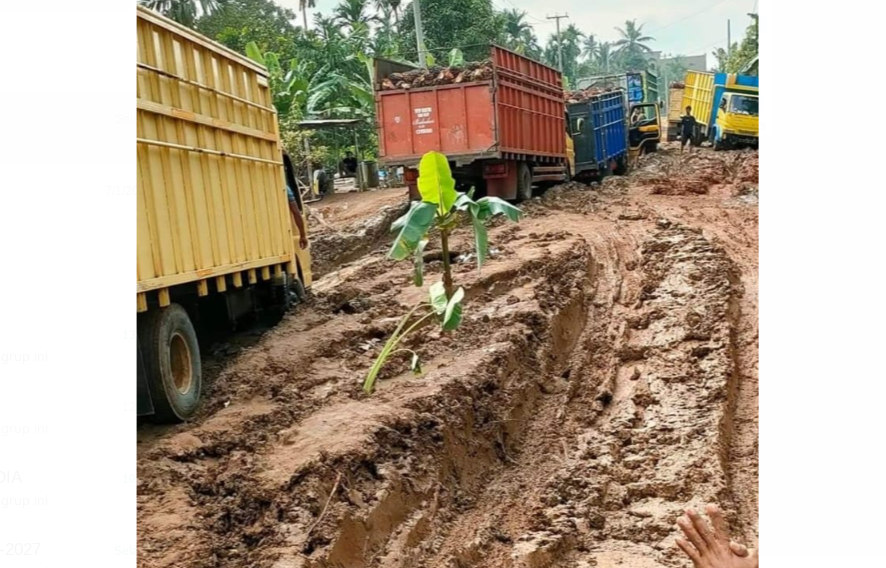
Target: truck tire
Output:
{"points": [[695, 140], [172, 362], [524, 182], [621, 166], [299, 289]]}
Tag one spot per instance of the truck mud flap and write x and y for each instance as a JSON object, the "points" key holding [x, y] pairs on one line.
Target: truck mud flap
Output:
{"points": [[144, 405]]}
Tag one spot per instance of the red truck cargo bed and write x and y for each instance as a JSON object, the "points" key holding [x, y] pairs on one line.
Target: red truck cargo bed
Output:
{"points": [[519, 114]]}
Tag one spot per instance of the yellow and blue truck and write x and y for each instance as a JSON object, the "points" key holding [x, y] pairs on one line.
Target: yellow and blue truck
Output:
{"points": [[216, 240], [726, 106]]}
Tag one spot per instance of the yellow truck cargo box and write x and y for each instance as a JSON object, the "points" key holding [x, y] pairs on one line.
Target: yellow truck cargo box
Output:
{"points": [[675, 104], [211, 192], [699, 94]]}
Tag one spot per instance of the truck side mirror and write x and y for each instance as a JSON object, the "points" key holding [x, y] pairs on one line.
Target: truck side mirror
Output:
{"points": [[579, 126]]}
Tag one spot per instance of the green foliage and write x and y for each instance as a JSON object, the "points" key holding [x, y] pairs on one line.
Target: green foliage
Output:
{"points": [[435, 182], [519, 35], [631, 49], [743, 53], [452, 315], [239, 22], [182, 11], [440, 208], [469, 25], [456, 58], [419, 263], [438, 298], [413, 228], [571, 40]]}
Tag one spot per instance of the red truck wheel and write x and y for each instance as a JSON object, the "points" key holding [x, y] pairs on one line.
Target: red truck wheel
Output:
{"points": [[524, 182]]}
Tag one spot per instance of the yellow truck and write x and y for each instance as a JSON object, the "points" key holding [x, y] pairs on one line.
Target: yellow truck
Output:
{"points": [[675, 109], [216, 239], [726, 106]]}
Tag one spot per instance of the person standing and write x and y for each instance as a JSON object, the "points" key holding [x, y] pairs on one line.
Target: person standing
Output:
{"points": [[350, 164], [687, 128], [289, 178]]}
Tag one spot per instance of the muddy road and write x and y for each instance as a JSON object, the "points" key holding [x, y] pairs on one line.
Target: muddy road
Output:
{"points": [[604, 379]]}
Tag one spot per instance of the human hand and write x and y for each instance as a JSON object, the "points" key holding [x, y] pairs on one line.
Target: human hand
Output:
{"points": [[713, 549]]}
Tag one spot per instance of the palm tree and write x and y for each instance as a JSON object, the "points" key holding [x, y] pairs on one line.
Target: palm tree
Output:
{"points": [[352, 13], [631, 49], [604, 56], [303, 5], [384, 41], [182, 11], [571, 39], [394, 5], [516, 29], [590, 47], [532, 47]]}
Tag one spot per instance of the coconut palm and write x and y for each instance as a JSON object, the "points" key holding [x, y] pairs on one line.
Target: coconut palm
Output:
{"points": [[393, 5], [353, 14], [532, 47], [631, 49], [182, 11], [303, 5], [590, 47], [384, 41], [604, 56], [515, 26]]}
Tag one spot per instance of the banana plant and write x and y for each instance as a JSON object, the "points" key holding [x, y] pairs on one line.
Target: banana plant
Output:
{"points": [[456, 58], [441, 207]]}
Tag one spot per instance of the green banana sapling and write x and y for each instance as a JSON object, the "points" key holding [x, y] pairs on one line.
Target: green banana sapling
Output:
{"points": [[440, 207]]}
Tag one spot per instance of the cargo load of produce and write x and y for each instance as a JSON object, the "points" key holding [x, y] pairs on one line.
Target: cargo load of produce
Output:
{"points": [[583, 95], [436, 75]]}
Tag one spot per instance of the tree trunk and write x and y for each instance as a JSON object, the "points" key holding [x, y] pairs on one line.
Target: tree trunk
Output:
{"points": [[447, 272], [304, 15]]}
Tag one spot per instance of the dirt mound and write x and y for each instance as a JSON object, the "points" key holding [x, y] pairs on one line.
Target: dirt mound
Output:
{"points": [[669, 172], [572, 196], [332, 248]]}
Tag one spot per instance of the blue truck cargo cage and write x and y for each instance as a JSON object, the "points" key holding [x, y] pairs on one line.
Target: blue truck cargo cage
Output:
{"points": [[600, 134]]}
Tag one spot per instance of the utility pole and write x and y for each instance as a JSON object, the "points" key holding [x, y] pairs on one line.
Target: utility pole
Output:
{"points": [[729, 39], [419, 33], [559, 39]]}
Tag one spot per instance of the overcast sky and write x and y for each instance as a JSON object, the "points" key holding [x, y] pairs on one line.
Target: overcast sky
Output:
{"points": [[687, 27]]}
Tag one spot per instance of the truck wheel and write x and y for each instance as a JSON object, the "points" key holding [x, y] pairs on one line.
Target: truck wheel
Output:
{"points": [[621, 166], [172, 362], [299, 288], [524, 182]]}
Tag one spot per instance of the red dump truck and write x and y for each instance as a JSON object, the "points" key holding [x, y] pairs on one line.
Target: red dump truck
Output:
{"points": [[502, 135]]}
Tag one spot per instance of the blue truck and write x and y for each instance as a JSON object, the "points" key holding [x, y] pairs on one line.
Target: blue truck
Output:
{"points": [[599, 129]]}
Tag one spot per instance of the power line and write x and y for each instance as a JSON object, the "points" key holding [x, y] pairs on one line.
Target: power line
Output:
{"points": [[684, 18], [705, 48], [527, 14]]}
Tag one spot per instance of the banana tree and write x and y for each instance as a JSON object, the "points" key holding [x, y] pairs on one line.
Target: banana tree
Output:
{"points": [[441, 207]]}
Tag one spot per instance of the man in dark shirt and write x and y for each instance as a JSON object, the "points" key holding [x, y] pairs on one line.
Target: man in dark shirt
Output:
{"points": [[350, 164], [687, 128]]}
